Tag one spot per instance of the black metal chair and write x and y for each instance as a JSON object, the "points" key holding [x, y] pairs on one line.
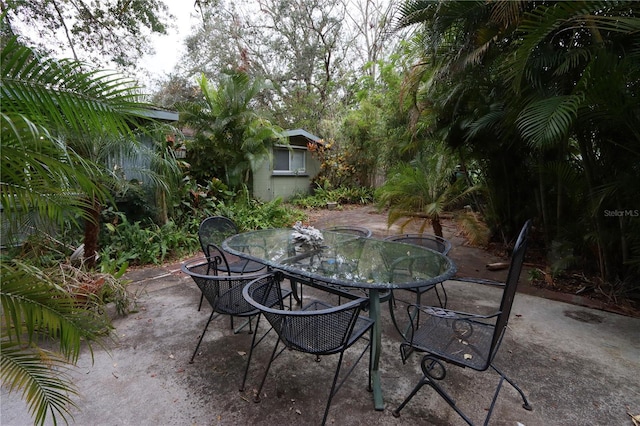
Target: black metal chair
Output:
{"points": [[463, 339], [318, 329], [433, 242], [224, 294], [212, 232], [359, 231]]}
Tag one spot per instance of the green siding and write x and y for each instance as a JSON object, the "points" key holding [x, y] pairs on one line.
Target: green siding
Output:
{"points": [[267, 186]]}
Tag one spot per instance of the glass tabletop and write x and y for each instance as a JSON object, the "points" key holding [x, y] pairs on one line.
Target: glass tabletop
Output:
{"points": [[345, 259]]}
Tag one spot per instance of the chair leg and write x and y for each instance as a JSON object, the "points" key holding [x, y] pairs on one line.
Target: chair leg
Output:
{"points": [[333, 388], [253, 345], [392, 309], [428, 381], [525, 402], [202, 336], [444, 291], [294, 289], [419, 385], [243, 325], [370, 382], [274, 354], [201, 299]]}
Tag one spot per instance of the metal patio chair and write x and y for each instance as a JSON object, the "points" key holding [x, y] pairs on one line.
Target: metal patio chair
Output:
{"points": [[463, 339], [318, 329], [224, 294], [433, 242], [211, 233]]}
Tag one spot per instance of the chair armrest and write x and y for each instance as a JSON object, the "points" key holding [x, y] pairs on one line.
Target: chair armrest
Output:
{"points": [[483, 281]]}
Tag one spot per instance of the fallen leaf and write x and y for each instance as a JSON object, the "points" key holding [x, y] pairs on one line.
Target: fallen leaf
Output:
{"points": [[299, 412]]}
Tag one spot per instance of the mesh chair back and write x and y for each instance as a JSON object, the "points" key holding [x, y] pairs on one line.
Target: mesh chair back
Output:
{"points": [[354, 230], [433, 242], [223, 292], [213, 231], [318, 328], [515, 267]]}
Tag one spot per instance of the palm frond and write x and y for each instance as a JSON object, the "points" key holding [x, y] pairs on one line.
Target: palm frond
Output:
{"points": [[35, 308], [46, 104], [61, 94], [547, 21], [545, 122], [30, 369]]}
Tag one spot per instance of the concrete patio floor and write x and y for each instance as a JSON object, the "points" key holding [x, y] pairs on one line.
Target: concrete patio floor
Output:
{"points": [[577, 365]]}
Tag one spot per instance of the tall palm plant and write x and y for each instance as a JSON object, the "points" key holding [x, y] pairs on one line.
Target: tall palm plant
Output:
{"points": [[230, 136], [547, 77], [44, 104], [53, 112], [426, 188]]}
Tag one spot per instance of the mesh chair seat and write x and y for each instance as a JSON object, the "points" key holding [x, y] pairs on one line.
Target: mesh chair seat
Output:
{"points": [[429, 241], [224, 293], [322, 337], [462, 340]]}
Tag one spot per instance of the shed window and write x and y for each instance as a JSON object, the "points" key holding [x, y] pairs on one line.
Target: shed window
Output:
{"points": [[289, 160]]}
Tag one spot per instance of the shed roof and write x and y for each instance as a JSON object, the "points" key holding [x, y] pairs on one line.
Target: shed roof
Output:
{"points": [[300, 132]]}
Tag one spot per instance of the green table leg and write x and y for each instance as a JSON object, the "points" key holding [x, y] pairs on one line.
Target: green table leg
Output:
{"points": [[376, 347]]}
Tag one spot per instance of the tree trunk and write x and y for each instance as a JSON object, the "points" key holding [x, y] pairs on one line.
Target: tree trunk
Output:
{"points": [[437, 227], [91, 233]]}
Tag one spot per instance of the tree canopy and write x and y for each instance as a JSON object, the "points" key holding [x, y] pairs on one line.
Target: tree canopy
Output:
{"points": [[105, 33]]}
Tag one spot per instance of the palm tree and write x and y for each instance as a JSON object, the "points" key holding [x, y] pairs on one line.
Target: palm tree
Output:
{"points": [[425, 188], [230, 137], [524, 86], [44, 104]]}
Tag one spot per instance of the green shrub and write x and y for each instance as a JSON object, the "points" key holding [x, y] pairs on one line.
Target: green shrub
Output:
{"points": [[251, 214], [141, 243], [341, 195]]}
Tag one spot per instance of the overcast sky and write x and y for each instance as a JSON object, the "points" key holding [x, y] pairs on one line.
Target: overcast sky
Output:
{"points": [[169, 48]]}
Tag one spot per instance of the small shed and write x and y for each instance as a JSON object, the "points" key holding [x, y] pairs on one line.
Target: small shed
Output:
{"points": [[290, 169]]}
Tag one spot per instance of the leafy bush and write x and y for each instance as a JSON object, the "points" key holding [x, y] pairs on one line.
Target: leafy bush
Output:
{"points": [[141, 243], [341, 195], [251, 214]]}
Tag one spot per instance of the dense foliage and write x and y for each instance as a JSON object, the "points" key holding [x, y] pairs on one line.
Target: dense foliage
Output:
{"points": [[541, 97], [46, 104]]}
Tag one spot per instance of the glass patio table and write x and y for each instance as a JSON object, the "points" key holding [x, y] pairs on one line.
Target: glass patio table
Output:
{"points": [[345, 261]]}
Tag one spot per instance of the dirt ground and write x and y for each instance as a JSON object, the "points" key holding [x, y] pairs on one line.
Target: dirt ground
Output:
{"points": [[574, 287]]}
